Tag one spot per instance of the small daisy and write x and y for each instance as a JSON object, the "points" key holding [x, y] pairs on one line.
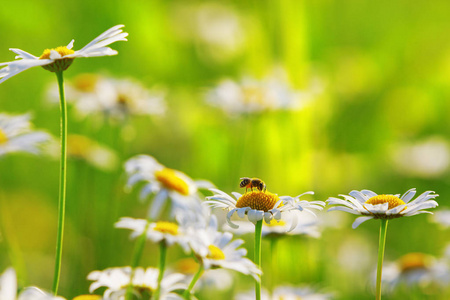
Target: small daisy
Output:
{"points": [[373, 206], [168, 232], [96, 95], [165, 183], [215, 249], [17, 135], [286, 293], [60, 58], [117, 280], [257, 205], [442, 217]]}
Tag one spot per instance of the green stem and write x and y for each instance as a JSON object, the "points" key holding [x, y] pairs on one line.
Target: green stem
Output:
{"points": [[381, 246], [162, 265], [137, 254], [274, 255], [62, 182], [258, 230], [187, 293]]}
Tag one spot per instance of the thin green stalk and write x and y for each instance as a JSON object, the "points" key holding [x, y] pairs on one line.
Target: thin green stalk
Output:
{"points": [[274, 255], [381, 246], [187, 293], [162, 265], [258, 230], [137, 254], [62, 182]]}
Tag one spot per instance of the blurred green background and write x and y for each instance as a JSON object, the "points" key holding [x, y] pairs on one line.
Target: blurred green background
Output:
{"points": [[384, 67]]}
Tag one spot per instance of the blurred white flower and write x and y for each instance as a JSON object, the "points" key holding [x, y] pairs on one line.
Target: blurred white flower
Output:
{"points": [[428, 158], [104, 97], [161, 231], [166, 184], [373, 206], [60, 58], [17, 135], [215, 249], [442, 217], [286, 293], [250, 95], [117, 280]]}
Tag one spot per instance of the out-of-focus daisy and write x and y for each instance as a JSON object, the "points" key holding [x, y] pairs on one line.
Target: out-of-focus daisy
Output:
{"points": [[215, 249], [286, 293], [416, 269], [251, 95], [8, 289], [96, 95], [17, 135], [307, 226], [81, 147], [117, 280], [213, 279], [442, 217], [60, 58], [258, 205], [165, 183], [168, 232], [373, 206], [428, 158]]}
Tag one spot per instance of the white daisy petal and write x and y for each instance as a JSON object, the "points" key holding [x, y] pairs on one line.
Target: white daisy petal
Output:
{"points": [[359, 221]]}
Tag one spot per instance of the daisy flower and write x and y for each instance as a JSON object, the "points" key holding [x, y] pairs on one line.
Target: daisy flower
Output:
{"points": [[60, 58], [117, 281], [165, 183], [416, 269], [383, 207], [17, 135], [286, 293], [257, 205], [168, 232], [373, 206], [442, 217]]}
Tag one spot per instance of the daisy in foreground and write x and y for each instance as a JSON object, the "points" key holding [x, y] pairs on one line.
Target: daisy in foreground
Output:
{"points": [[16, 135], [258, 206], [57, 60], [165, 183], [117, 282], [383, 207]]}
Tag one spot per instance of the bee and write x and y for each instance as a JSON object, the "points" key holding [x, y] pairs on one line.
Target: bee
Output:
{"points": [[251, 183]]}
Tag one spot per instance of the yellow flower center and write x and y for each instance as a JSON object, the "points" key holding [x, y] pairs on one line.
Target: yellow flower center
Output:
{"points": [[87, 297], [62, 50], [171, 181], [78, 145], [3, 137], [391, 199], [413, 261], [253, 95], [274, 223], [215, 253], [264, 201], [187, 266], [166, 227], [59, 64], [86, 82]]}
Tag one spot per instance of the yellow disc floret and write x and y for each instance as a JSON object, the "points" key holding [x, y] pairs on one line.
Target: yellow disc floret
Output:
{"points": [[215, 253], [166, 227], [187, 266], [86, 82], [88, 297], [3, 137], [393, 201], [172, 181], [264, 201], [59, 64], [413, 261]]}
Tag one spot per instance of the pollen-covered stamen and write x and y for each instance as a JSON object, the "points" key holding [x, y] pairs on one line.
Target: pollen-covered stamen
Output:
{"points": [[3, 137], [264, 201], [166, 227], [393, 201], [172, 181], [413, 261], [60, 64], [215, 253]]}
